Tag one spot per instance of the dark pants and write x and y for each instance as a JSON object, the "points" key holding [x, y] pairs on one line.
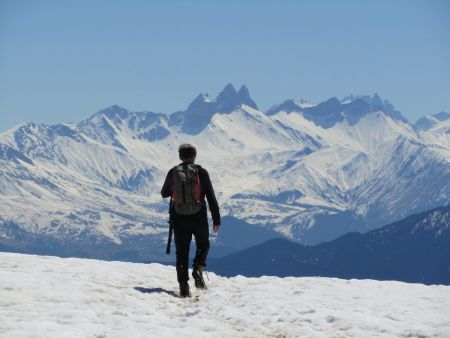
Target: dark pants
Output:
{"points": [[184, 227]]}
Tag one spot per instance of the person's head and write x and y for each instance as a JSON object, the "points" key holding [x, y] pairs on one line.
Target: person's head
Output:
{"points": [[187, 152]]}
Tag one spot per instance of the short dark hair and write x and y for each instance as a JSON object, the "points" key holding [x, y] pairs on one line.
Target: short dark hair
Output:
{"points": [[187, 151]]}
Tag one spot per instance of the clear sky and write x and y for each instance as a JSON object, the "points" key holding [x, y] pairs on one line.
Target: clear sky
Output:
{"points": [[61, 61]]}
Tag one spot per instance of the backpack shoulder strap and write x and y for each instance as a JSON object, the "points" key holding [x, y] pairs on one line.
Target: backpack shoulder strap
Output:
{"points": [[174, 182], [198, 187]]}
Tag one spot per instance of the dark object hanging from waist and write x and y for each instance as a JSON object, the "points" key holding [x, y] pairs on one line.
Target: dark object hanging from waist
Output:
{"points": [[169, 240], [171, 225]]}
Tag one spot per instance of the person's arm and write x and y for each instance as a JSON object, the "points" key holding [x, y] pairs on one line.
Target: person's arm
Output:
{"points": [[166, 190], [212, 201]]}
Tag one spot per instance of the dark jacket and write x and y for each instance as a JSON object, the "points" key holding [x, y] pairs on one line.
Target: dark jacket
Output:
{"points": [[206, 190]]}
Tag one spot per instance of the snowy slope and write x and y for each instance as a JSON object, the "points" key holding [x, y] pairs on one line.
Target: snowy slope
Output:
{"points": [[352, 164], [55, 297]]}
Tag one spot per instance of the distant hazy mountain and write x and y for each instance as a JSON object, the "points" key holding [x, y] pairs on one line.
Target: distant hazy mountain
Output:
{"points": [[332, 111], [439, 122], [416, 249], [310, 172]]}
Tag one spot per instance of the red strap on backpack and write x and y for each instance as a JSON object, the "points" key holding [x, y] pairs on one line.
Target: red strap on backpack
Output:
{"points": [[198, 194], [174, 190]]}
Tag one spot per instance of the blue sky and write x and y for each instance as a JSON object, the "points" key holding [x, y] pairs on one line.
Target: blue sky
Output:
{"points": [[61, 61]]}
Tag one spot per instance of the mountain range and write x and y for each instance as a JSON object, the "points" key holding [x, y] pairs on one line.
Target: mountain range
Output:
{"points": [[308, 172], [416, 249]]}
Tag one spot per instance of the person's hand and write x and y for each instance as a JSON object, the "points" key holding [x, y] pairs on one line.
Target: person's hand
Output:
{"points": [[216, 228]]}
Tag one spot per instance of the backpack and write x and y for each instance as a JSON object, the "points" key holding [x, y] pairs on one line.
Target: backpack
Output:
{"points": [[186, 189]]}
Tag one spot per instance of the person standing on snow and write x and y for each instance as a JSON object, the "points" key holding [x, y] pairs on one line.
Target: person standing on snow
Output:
{"points": [[187, 184]]}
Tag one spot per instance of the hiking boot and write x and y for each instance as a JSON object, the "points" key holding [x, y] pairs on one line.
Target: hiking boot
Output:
{"points": [[184, 290], [197, 274]]}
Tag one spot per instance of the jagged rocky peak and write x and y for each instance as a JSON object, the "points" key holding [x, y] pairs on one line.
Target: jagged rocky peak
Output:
{"points": [[352, 108], [244, 97], [228, 94], [374, 102], [243, 92], [229, 98], [202, 108]]}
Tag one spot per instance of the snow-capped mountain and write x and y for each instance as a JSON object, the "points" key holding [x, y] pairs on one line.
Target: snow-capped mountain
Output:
{"points": [[45, 296], [199, 113], [439, 122], [310, 172], [332, 111], [415, 249]]}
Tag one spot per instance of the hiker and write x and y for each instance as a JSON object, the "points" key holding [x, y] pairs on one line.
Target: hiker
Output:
{"points": [[187, 184]]}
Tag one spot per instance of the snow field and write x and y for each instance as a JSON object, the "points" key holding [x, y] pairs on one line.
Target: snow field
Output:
{"points": [[43, 296]]}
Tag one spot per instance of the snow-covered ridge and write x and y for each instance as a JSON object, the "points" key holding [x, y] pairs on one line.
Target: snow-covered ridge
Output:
{"points": [[439, 122], [332, 111], [350, 164], [54, 297]]}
